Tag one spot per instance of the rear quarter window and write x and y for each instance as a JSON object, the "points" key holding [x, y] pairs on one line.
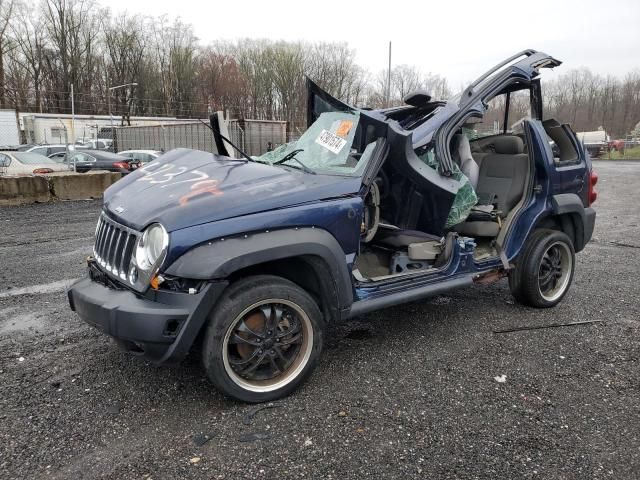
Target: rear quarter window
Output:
{"points": [[561, 142]]}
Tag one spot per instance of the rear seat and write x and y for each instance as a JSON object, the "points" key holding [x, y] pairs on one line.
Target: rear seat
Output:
{"points": [[501, 183], [479, 157]]}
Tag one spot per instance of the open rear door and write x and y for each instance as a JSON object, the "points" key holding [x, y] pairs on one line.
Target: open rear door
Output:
{"points": [[319, 101]]}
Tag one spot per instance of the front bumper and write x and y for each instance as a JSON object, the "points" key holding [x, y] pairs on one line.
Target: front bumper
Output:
{"points": [[162, 326]]}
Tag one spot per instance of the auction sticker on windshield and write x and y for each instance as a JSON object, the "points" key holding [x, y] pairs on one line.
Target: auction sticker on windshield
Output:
{"points": [[330, 141]]}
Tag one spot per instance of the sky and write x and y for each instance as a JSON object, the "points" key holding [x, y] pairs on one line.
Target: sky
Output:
{"points": [[457, 39]]}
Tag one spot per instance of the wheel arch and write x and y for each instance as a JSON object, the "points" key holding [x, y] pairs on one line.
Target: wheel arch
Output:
{"points": [[567, 215], [310, 272], [310, 257]]}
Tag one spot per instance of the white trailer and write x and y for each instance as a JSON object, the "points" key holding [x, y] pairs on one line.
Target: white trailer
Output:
{"points": [[9, 133], [62, 128]]}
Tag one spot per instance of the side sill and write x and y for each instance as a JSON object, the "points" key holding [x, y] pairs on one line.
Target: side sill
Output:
{"points": [[367, 305]]}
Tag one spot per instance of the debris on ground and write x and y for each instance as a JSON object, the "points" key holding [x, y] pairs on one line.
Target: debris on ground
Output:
{"points": [[200, 439], [500, 378], [248, 417], [551, 325]]}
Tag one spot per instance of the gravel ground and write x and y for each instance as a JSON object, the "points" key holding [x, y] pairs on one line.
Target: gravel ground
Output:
{"points": [[407, 392]]}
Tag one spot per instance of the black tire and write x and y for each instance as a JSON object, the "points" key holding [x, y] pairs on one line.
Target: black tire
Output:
{"points": [[221, 349], [539, 252]]}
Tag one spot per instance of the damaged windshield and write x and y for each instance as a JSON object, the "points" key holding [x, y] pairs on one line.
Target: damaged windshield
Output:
{"points": [[326, 147]]}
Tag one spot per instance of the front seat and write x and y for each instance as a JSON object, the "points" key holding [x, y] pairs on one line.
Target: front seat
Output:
{"points": [[464, 159], [501, 185], [396, 239]]}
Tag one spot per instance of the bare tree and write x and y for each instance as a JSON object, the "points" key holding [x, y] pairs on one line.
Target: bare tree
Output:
{"points": [[44, 50], [72, 27], [124, 44], [28, 34], [6, 14]]}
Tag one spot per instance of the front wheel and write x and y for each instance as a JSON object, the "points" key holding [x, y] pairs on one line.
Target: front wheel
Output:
{"points": [[263, 339], [544, 270]]}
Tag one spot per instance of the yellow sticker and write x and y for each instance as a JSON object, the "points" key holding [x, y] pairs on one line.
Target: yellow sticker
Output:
{"points": [[344, 128]]}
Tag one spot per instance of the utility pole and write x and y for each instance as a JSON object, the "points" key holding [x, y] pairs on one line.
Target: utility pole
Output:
{"points": [[389, 79], [73, 117]]}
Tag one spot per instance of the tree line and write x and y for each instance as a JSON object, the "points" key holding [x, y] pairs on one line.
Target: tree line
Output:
{"points": [[46, 47]]}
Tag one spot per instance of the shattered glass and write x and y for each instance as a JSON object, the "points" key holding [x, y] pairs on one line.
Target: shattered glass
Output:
{"points": [[326, 146], [466, 196]]}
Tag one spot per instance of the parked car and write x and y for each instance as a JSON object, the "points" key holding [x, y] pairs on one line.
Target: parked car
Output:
{"points": [[60, 157], [47, 150], [16, 163], [142, 156], [96, 144], [86, 160], [253, 258]]}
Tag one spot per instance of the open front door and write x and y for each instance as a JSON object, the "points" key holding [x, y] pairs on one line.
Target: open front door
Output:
{"points": [[319, 101]]}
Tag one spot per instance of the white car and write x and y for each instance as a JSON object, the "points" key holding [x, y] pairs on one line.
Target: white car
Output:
{"points": [[21, 163], [143, 156], [97, 144]]}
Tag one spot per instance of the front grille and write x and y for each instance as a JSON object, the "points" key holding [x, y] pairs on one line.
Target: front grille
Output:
{"points": [[114, 246]]}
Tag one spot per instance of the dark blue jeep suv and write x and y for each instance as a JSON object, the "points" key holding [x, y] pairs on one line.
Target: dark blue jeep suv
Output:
{"points": [[251, 258]]}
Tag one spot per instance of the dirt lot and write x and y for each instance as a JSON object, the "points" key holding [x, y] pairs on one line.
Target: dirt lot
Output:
{"points": [[407, 392]]}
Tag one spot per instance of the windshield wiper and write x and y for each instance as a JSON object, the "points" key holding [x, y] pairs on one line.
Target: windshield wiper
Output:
{"points": [[292, 156], [289, 156]]}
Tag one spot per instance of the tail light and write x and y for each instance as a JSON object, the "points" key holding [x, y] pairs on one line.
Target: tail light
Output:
{"points": [[42, 170], [593, 179], [121, 165]]}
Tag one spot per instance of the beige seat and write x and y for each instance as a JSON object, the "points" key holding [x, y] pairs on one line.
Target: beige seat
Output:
{"points": [[464, 159], [501, 183]]}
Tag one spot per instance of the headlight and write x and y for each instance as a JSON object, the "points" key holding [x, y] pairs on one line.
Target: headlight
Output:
{"points": [[151, 246], [149, 253]]}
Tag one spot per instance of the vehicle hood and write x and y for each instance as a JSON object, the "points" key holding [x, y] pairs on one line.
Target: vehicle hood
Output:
{"points": [[186, 187]]}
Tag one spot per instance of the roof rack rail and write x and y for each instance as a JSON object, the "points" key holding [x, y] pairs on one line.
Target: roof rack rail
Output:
{"points": [[469, 90]]}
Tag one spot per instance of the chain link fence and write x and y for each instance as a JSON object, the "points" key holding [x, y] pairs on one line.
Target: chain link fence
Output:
{"points": [[51, 134], [56, 135]]}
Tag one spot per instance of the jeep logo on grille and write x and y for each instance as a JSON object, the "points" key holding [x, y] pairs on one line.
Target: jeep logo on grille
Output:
{"points": [[119, 209]]}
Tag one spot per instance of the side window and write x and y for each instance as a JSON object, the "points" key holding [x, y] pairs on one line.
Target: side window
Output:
{"points": [[493, 122], [80, 157], [100, 144], [40, 150]]}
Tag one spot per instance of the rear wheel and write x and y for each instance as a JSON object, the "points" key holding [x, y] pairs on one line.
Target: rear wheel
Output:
{"points": [[544, 270], [263, 339]]}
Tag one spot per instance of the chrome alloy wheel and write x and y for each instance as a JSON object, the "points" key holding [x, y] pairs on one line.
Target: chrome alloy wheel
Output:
{"points": [[554, 273], [267, 345]]}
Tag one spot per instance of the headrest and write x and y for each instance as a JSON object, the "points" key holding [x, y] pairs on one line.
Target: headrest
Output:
{"points": [[417, 98], [508, 145]]}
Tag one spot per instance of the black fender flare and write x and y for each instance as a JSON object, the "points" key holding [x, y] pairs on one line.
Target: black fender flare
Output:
{"points": [[569, 207], [222, 257]]}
